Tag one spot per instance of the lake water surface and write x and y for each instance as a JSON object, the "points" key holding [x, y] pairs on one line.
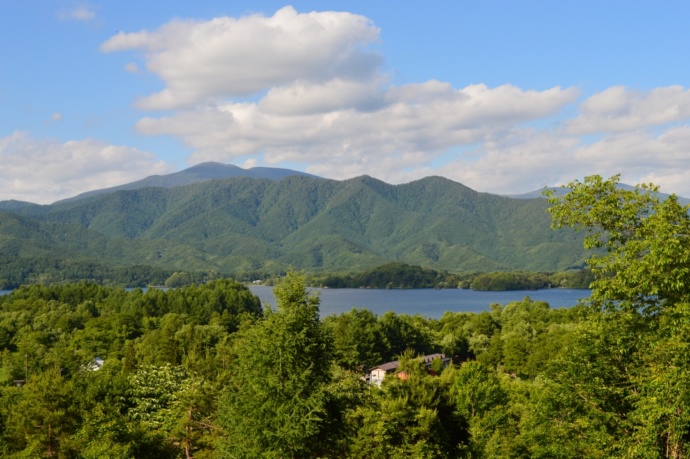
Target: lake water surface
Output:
{"points": [[427, 302]]}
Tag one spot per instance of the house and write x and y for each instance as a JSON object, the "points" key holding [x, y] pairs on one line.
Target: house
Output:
{"points": [[379, 372], [95, 364], [428, 359]]}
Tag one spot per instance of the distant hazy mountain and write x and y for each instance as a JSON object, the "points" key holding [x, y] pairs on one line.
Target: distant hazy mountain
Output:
{"points": [[199, 173], [562, 191], [14, 204], [242, 224]]}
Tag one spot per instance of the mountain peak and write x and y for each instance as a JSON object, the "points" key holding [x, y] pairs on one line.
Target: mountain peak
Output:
{"points": [[198, 173]]}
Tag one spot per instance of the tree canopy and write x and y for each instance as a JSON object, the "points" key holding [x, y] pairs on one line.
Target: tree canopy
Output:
{"points": [[645, 263]]}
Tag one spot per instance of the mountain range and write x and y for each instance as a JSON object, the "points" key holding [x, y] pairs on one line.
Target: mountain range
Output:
{"points": [[203, 219], [199, 173]]}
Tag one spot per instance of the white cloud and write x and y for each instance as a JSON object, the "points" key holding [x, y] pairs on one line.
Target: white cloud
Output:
{"points": [[415, 122], [302, 98], [619, 109], [249, 163], [82, 12], [43, 171], [515, 161], [526, 160], [228, 57]]}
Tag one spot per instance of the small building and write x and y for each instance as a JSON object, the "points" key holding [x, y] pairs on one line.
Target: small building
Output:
{"points": [[379, 372], [95, 364], [428, 359]]}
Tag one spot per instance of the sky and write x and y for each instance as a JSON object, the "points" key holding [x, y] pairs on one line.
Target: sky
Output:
{"points": [[503, 97]]}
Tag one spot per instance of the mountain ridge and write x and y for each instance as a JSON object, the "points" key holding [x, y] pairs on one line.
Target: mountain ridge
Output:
{"points": [[217, 171], [198, 173], [242, 224]]}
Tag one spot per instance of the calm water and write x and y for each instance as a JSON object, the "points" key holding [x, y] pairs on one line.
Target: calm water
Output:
{"points": [[427, 302]]}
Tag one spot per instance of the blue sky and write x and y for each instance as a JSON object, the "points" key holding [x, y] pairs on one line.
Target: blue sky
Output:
{"points": [[504, 97]]}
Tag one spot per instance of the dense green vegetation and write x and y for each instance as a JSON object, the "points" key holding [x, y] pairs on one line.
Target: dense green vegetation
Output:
{"points": [[402, 275], [242, 225], [203, 371], [15, 272]]}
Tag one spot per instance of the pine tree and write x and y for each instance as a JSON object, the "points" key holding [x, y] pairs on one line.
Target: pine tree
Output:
{"points": [[276, 402]]}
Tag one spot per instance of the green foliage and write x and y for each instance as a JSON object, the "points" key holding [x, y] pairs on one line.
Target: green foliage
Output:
{"points": [[662, 415], [510, 281], [165, 356], [402, 332], [358, 339], [275, 404], [619, 383], [390, 275], [402, 275], [646, 262], [16, 271], [409, 417], [39, 416], [483, 401], [152, 392]]}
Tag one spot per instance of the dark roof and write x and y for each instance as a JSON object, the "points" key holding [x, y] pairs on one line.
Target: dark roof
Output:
{"points": [[387, 366], [432, 357]]}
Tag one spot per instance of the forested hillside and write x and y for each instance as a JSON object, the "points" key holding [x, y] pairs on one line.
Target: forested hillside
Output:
{"points": [[241, 225]]}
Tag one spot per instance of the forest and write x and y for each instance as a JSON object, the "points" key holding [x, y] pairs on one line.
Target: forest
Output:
{"points": [[15, 272], [207, 371], [401, 275]]}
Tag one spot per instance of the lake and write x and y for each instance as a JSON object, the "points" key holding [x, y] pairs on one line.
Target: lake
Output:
{"points": [[427, 302]]}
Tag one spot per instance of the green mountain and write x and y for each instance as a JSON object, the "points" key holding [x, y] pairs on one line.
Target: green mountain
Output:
{"points": [[242, 224], [199, 173]]}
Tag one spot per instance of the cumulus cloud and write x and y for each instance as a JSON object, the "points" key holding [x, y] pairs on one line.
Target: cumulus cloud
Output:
{"points": [[620, 109], [526, 159], [229, 57], [515, 161], [302, 98], [43, 171], [416, 122]]}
